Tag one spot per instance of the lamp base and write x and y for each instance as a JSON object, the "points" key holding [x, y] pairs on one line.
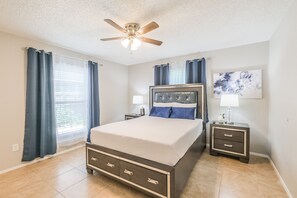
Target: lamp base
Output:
{"points": [[229, 116], [142, 111], [230, 123]]}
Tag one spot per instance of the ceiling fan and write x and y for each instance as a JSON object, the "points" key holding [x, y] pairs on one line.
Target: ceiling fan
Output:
{"points": [[134, 34]]}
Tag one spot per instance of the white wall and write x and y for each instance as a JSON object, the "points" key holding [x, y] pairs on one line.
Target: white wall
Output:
{"points": [[113, 81], [113, 92], [282, 99], [252, 111]]}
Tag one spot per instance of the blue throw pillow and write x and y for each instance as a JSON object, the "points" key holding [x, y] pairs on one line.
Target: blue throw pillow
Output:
{"points": [[183, 113], [163, 112]]}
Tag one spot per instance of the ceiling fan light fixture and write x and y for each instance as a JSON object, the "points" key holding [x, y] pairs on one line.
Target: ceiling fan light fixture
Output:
{"points": [[125, 42], [135, 43]]}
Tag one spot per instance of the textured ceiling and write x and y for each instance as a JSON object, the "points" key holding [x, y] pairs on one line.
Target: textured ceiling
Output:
{"points": [[186, 26]]}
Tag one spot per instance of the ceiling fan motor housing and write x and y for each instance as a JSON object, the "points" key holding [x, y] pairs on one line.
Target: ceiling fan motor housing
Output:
{"points": [[132, 28]]}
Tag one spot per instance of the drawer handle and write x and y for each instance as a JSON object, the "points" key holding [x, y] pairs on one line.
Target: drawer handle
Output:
{"points": [[128, 172], [110, 165], [228, 135], [94, 159], [152, 181], [228, 145]]}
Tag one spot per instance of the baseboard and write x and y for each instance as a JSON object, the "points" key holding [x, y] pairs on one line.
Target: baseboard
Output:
{"points": [[276, 171], [281, 179], [39, 159], [260, 155]]}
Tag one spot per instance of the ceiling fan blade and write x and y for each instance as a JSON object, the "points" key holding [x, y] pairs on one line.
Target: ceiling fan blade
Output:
{"points": [[113, 24], [151, 41], [112, 38], [149, 27]]}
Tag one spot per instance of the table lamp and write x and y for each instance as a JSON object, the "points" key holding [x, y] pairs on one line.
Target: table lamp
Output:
{"points": [[229, 100], [138, 100]]}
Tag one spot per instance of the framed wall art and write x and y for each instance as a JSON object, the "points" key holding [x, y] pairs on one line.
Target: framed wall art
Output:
{"points": [[247, 84]]}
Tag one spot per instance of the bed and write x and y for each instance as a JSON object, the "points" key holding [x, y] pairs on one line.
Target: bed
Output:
{"points": [[154, 155]]}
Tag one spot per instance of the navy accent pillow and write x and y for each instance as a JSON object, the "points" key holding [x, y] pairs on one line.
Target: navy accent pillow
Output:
{"points": [[183, 113], [163, 112]]}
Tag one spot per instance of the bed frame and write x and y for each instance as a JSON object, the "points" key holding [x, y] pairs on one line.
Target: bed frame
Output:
{"points": [[150, 177]]}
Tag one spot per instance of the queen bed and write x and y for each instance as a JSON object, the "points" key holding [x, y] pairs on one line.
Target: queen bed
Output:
{"points": [[152, 154]]}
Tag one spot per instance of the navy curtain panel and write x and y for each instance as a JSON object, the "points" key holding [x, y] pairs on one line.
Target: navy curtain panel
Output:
{"points": [[161, 74], [196, 73], [40, 123], [94, 110]]}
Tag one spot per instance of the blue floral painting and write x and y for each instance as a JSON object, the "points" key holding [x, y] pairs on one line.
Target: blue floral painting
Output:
{"points": [[247, 84]]}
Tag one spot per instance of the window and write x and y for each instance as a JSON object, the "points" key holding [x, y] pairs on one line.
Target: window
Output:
{"points": [[177, 73], [71, 100]]}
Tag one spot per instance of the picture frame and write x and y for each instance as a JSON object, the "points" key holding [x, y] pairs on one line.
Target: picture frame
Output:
{"points": [[245, 83]]}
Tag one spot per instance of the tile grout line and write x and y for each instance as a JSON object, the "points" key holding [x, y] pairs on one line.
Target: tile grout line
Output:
{"points": [[71, 185], [73, 168], [220, 186], [39, 159], [275, 170], [60, 194]]}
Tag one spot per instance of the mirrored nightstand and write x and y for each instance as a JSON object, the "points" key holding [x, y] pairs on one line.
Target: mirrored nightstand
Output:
{"points": [[132, 116], [231, 140]]}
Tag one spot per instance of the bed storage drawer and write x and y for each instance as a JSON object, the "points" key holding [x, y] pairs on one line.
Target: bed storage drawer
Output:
{"points": [[93, 158], [149, 179], [104, 162], [110, 164]]}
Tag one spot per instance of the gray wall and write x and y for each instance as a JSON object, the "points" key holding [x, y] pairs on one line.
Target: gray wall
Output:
{"points": [[252, 111], [282, 99]]}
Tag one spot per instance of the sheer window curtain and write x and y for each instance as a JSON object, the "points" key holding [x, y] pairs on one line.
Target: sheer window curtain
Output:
{"points": [[177, 73], [71, 100]]}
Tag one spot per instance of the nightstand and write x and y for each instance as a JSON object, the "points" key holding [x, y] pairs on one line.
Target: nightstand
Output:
{"points": [[233, 140], [132, 116]]}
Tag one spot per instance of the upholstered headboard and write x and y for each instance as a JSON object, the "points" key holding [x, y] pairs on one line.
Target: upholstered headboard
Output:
{"points": [[178, 96], [185, 94]]}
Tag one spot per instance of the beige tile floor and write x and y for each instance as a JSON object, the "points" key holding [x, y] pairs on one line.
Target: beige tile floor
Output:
{"points": [[65, 176]]}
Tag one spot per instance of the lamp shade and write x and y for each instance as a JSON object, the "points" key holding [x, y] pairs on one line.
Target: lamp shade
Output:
{"points": [[230, 100], [137, 100]]}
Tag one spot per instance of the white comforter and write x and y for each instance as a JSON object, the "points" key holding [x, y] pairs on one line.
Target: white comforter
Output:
{"points": [[158, 139]]}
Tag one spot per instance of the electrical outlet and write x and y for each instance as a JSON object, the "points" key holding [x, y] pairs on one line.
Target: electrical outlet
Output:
{"points": [[15, 147]]}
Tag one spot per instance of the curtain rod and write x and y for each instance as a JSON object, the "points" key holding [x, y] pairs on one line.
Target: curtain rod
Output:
{"points": [[38, 51], [185, 61], [200, 59]]}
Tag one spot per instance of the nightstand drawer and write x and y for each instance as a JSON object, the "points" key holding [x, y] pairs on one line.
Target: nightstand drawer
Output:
{"points": [[229, 146], [227, 134]]}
